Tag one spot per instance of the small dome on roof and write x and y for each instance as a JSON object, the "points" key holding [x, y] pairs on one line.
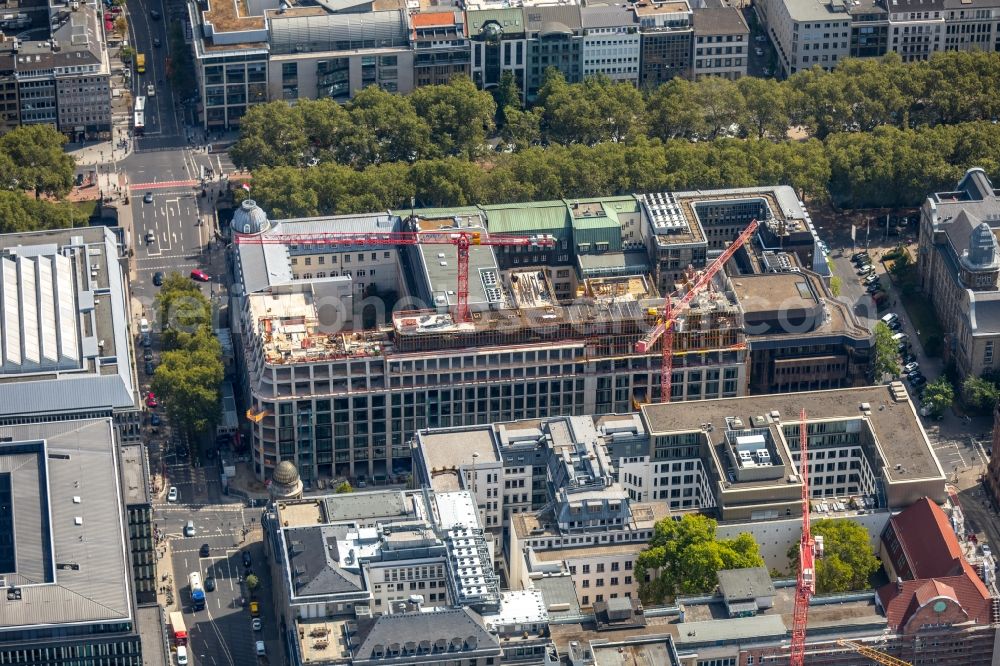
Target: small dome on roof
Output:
{"points": [[982, 246], [250, 218], [285, 473]]}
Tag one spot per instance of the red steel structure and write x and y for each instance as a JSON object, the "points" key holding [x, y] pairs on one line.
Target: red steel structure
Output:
{"points": [[805, 586], [668, 321], [461, 239]]}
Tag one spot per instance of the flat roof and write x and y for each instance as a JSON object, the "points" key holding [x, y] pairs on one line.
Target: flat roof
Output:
{"points": [[720, 21], [773, 290], [69, 547], [585, 551], [900, 435], [231, 16], [135, 474], [456, 447], [65, 334]]}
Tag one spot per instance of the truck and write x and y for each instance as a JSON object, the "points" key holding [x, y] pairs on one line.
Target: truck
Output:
{"points": [[140, 63], [178, 630], [197, 591]]}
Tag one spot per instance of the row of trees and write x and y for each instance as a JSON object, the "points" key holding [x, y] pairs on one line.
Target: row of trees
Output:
{"points": [[456, 119], [190, 371], [684, 557], [886, 167]]}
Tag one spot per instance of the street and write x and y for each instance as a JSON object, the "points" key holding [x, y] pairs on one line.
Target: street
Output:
{"points": [[220, 634]]}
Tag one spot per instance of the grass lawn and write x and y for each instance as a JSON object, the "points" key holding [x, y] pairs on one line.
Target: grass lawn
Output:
{"points": [[86, 208]]}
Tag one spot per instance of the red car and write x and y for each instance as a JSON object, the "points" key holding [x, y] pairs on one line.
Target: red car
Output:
{"points": [[200, 276], [151, 400]]}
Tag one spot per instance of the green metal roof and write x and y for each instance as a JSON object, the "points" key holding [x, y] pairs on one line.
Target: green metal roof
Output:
{"points": [[511, 20], [549, 217]]}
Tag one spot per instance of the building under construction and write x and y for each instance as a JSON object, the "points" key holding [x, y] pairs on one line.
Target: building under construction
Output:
{"points": [[349, 348]]}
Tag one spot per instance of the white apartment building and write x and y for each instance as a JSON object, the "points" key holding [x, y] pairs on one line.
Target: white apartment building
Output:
{"points": [[916, 28], [610, 42], [807, 32]]}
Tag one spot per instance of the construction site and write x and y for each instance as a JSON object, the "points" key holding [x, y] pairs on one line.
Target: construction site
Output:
{"points": [[359, 330]]}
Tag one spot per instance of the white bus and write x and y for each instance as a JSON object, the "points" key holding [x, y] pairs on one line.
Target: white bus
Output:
{"points": [[197, 591], [139, 122], [140, 104]]}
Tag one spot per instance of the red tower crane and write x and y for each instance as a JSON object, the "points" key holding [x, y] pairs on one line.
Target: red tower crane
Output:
{"points": [[462, 239], [668, 320], [805, 585]]}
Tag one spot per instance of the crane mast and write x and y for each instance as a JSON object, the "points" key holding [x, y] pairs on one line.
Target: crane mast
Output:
{"points": [[667, 322], [461, 239], [805, 585]]}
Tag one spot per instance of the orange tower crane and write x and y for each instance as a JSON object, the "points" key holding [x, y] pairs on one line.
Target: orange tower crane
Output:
{"points": [[805, 585], [461, 239], [667, 322]]}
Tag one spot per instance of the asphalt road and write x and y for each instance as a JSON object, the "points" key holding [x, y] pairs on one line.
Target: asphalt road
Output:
{"points": [[220, 634]]}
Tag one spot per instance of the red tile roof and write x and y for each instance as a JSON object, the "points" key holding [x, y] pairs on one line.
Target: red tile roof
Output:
{"points": [[433, 19], [939, 568], [929, 543], [967, 589]]}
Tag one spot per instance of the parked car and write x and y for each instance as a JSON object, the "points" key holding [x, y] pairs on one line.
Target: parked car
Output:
{"points": [[865, 271], [150, 367], [919, 381], [895, 326], [200, 276], [158, 278], [147, 354], [204, 550], [873, 287], [151, 400], [209, 584], [256, 624], [189, 530], [154, 420], [857, 256], [173, 495], [247, 561], [910, 367], [156, 42]]}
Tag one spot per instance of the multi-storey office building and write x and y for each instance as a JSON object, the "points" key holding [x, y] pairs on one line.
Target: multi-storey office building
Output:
{"points": [[555, 40], [721, 43], [610, 42], [959, 264], [441, 47], [347, 405], [553, 331], [61, 80], [64, 555], [807, 32], [667, 40], [66, 344]]}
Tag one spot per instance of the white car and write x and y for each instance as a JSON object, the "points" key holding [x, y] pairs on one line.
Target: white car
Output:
{"points": [[759, 51], [910, 367], [260, 649], [172, 494], [150, 90], [182, 655], [256, 624]]}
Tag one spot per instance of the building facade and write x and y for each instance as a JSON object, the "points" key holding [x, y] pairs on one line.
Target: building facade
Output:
{"points": [[667, 41], [611, 42], [959, 264], [721, 43]]}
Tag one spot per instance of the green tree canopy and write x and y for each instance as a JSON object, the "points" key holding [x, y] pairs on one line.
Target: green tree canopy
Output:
{"points": [[980, 393], [886, 358], [344, 487], [939, 395], [684, 556], [190, 372], [460, 115], [848, 561], [35, 160]]}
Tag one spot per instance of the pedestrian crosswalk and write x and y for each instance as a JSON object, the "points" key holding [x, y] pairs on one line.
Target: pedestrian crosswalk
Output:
{"points": [[163, 185]]}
